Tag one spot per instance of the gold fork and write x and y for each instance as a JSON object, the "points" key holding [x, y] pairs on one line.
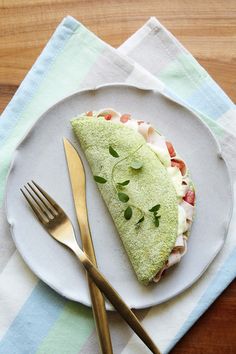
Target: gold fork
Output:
{"points": [[59, 226]]}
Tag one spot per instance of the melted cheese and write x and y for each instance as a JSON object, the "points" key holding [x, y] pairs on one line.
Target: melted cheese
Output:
{"points": [[177, 180], [182, 223], [158, 144]]}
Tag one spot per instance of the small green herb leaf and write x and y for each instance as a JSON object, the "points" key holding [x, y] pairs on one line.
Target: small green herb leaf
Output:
{"points": [[125, 183], [155, 208], [99, 179], [128, 213], [156, 222], [140, 220], [113, 152], [136, 165], [156, 219], [123, 197]]}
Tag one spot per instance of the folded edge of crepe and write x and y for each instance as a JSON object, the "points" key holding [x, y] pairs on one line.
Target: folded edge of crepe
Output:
{"points": [[163, 179]]}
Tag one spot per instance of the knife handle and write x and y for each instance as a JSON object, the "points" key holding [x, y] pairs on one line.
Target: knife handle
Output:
{"points": [[117, 302], [78, 184], [97, 299]]}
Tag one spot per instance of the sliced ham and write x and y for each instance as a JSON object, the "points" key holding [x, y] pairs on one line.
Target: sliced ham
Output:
{"points": [[159, 274], [189, 210], [132, 124], [115, 116], [180, 165], [182, 222], [145, 129], [185, 248], [177, 253], [180, 245], [179, 242], [174, 258], [158, 144]]}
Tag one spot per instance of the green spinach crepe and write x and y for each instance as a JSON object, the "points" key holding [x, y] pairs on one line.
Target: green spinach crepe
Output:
{"points": [[139, 191]]}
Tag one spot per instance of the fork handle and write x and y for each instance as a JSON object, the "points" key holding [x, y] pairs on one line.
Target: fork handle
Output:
{"points": [[115, 299]]}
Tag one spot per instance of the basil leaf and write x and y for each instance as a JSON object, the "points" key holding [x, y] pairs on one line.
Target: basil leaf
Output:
{"points": [[155, 208], [125, 183], [123, 197], [136, 165], [99, 179], [113, 152], [140, 220], [128, 213]]}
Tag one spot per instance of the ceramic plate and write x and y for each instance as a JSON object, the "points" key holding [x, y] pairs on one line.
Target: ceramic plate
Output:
{"points": [[40, 157]]}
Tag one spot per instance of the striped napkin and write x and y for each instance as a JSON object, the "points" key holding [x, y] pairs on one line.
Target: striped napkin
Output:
{"points": [[33, 318]]}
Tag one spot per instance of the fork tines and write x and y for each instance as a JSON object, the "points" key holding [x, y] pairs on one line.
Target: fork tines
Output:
{"points": [[44, 207]]}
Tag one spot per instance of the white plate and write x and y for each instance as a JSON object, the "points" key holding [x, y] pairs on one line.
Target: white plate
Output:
{"points": [[41, 157]]}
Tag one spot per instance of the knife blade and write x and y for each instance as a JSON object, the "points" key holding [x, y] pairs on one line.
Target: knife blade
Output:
{"points": [[78, 185]]}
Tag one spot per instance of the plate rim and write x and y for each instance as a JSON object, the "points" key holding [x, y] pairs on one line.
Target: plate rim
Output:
{"points": [[140, 88]]}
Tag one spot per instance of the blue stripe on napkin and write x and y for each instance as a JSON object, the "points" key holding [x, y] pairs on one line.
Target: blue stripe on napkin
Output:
{"points": [[33, 321]]}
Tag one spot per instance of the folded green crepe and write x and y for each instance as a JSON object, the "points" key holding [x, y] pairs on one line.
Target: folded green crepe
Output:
{"points": [[148, 236]]}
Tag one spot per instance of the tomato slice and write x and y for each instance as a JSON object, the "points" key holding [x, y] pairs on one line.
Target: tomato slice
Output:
{"points": [[170, 149], [189, 197], [124, 118], [179, 164], [108, 116], [89, 114]]}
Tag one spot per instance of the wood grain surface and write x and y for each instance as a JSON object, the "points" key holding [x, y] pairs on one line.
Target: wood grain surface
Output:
{"points": [[206, 28]]}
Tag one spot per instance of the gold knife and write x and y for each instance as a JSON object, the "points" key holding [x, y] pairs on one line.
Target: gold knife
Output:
{"points": [[78, 185]]}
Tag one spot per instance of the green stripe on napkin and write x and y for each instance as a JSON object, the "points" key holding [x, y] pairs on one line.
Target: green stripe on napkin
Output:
{"points": [[70, 331]]}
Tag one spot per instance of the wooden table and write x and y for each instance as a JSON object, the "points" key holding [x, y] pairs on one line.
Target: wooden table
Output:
{"points": [[207, 28]]}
